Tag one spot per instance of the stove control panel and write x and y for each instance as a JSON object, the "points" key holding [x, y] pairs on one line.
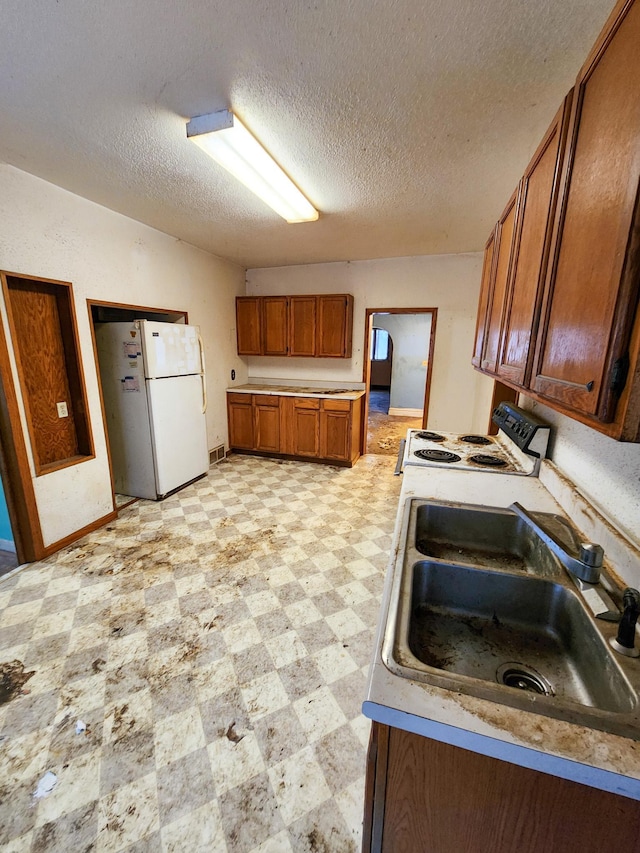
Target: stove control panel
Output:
{"points": [[524, 429]]}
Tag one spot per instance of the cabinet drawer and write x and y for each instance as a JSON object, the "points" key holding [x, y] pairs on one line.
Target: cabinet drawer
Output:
{"points": [[336, 405], [306, 403], [239, 398], [266, 400]]}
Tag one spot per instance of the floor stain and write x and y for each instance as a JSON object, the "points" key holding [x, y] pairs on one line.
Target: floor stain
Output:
{"points": [[232, 735], [12, 680]]}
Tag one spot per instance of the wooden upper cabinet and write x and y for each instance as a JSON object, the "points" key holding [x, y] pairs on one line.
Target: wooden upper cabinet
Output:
{"points": [[275, 325], [303, 312], [249, 325], [335, 324], [592, 285], [483, 303], [505, 232], [319, 326], [536, 209]]}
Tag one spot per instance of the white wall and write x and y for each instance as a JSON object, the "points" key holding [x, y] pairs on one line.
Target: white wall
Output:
{"points": [[460, 397], [607, 472], [52, 233], [410, 335]]}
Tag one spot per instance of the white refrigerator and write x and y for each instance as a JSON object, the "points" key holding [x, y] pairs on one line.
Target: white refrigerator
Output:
{"points": [[153, 386]]}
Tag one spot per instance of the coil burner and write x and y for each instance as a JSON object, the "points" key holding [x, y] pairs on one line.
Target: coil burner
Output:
{"points": [[488, 461], [475, 439], [437, 455], [429, 436]]}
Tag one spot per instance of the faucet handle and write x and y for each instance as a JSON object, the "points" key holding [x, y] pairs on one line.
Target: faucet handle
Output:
{"points": [[591, 554]]}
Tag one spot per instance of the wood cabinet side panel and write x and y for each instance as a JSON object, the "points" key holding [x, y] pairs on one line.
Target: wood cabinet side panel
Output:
{"points": [[446, 799]]}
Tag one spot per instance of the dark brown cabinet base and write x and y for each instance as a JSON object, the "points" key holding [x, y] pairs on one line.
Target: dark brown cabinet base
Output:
{"points": [[423, 795], [309, 428]]}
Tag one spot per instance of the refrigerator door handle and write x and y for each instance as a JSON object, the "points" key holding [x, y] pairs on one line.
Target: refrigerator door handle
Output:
{"points": [[203, 375]]}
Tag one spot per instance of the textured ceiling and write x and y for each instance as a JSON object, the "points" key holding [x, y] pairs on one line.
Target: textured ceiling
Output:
{"points": [[406, 122]]}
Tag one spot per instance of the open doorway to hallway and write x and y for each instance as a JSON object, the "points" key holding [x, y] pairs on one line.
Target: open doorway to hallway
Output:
{"points": [[397, 373], [8, 555]]}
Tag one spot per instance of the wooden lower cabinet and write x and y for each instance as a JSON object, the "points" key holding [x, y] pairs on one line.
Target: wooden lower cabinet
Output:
{"points": [[240, 418], [423, 796], [304, 431], [312, 428], [267, 423]]}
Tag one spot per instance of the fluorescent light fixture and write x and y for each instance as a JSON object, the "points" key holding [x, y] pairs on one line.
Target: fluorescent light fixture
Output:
{"points": [[223, 136]]}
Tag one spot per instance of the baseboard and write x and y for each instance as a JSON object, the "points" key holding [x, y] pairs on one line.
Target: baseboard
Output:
{"points": [[405, 413], [8, 545], [68, 540]]}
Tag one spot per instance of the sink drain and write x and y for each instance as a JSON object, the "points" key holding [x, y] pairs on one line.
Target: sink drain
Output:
{"points": [[523, 678]]}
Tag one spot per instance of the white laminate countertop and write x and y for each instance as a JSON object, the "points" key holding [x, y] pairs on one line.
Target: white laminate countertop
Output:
{"points": [[283, 388], [558, 747]]}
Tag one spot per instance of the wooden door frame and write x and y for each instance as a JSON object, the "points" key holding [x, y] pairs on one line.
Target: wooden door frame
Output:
{"points": [[16, 471], [99, 303], [366, 367]]}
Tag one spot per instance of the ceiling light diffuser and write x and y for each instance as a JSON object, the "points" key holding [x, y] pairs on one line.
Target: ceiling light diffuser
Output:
{"points": [[223, 136]]}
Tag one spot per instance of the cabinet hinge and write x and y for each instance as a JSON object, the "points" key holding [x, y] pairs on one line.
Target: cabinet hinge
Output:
{"points": [[619, 373]]}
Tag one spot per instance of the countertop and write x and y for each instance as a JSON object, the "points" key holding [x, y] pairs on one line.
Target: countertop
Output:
{"points": [[563, 749], [328, 391]]}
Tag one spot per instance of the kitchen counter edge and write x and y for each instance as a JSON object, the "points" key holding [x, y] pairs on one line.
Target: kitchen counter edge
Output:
{"points": [[281, 391]]}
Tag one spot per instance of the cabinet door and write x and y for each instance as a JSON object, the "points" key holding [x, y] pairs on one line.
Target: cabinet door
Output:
{"points": [[305, 439], [240, 421], [335, 440], [302, 325], [495, 309], [538, 197], [267, 423], [335, 321], [592, 284], [445, 799], [248, 325], [483, 303], [275, 325]]}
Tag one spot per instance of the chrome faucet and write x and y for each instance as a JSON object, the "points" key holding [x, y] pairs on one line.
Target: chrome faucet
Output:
{"points": [[585, 564]]}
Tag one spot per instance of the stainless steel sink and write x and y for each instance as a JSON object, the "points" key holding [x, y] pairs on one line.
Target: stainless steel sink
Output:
{"points": [[480, 536], [504, 622]]}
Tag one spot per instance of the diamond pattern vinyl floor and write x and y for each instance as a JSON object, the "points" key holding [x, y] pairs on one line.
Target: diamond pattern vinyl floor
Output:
{"points": [[216, 647]]}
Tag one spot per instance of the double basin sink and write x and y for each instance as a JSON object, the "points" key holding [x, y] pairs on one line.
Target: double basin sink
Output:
{"points": [[481, 606]]}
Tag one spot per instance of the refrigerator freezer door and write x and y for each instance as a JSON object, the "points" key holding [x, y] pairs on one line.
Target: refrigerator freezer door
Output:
{"points": [[178, 430], [126, 410], [170, 349]]}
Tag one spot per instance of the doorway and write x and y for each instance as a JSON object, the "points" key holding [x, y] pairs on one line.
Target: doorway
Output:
{"points": [[8, 555], [399, 345], [113, 312]]}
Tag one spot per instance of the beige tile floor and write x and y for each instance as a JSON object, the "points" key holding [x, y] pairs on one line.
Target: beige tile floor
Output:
{"points": [[216, 646]]}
